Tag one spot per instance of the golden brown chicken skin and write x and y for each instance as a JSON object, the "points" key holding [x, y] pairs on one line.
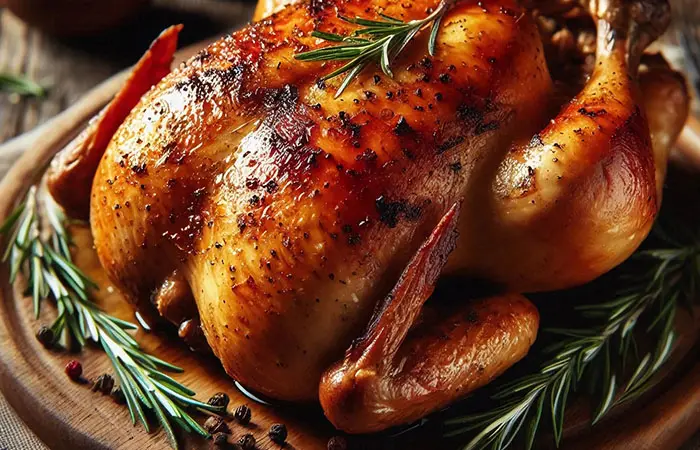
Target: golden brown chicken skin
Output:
{"points": [[288, 211], [290, 215]]}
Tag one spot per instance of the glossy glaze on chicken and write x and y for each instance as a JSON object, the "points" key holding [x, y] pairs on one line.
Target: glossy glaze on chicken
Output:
{"points": [[242, 194]]}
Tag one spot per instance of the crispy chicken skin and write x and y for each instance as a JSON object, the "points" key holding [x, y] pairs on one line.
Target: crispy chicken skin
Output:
{"points": [[291, 213], [294, 219]]}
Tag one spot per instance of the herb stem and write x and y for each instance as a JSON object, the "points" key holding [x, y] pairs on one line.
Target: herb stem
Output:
{"points": [[380, 41]]}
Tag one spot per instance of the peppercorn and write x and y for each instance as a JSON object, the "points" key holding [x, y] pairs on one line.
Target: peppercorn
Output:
{"points": [[216, 425], [104, 383], [247, 442], [118, 395], [243, 414], [74, 370], [46, 336], [278, 433], [219, 399], [337, 443], [220, 439]]}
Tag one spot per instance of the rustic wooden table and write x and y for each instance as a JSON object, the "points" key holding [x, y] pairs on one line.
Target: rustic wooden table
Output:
{"points": [[72, 66]]}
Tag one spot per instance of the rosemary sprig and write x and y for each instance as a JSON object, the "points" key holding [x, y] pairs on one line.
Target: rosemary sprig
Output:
{"points": [[588, 354], [46, 261], [20, 85], [378, 41]]}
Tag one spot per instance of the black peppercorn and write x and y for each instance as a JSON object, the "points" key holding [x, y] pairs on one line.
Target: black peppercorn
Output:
{"points": [[278, 433], [74, 370], [216, 425], [220, 439], [337, 443], [46, 336], [247, 442], [118, 395], [243, 414], [103, 383], [219, 399]]}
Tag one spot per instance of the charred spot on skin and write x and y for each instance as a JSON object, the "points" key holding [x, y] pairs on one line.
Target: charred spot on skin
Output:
{"points": [[368, 155], [271, 186], [241, 222], [316, 7], [450, 143], [592, 114], [202, 84], [391, 211], [469, 114], [456, 166], [402, 127], [140, 170], [353, 239]]}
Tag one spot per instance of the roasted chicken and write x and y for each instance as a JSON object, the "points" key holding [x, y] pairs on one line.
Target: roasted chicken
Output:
{"points": [[242, 194]]}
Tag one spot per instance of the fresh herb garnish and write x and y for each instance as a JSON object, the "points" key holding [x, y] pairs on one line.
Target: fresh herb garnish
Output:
{"points": [[46, 262], [20, 85], [378, 41], [598, 353]]}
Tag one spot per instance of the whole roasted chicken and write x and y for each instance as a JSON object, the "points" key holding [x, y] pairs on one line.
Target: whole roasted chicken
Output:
{"points": [[304, 229]]}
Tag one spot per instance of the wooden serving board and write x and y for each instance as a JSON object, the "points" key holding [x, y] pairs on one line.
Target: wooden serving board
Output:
{"points": [[67, 415]]}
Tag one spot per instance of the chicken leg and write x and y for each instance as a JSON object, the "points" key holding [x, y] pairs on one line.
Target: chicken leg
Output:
{"points": [[584, 190], [394, 374]]}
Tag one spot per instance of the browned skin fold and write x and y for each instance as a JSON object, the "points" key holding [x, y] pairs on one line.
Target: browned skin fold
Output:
{"points": [[290, 213], [387, 379], [69, 178]]}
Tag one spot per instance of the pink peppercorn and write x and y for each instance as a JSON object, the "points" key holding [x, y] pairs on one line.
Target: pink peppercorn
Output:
{"points": [[74, 370]]}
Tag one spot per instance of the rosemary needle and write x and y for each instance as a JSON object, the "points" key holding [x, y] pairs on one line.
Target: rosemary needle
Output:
{"points": [[21, 85]]}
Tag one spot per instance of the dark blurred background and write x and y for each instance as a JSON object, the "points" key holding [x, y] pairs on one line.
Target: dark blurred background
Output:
{"points": [[76, 44]]}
